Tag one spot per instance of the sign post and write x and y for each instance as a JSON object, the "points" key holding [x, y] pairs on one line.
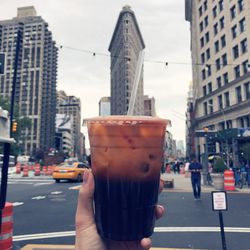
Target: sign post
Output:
{"points": [[219, 202]]}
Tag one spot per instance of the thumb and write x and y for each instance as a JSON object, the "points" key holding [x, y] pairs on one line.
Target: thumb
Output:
{"points": [[84, 212]]}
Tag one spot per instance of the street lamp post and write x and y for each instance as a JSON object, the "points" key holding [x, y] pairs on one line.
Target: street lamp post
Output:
{"points": [[226, 139]]}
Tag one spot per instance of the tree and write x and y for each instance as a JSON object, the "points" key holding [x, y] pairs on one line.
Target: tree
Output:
{"points": [[22, 124]]}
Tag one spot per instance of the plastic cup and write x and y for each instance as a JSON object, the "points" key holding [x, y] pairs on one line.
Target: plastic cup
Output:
{"points": [[126, 157]]}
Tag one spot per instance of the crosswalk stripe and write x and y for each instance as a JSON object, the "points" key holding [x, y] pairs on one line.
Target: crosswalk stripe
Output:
{"points": [[156, 230]]}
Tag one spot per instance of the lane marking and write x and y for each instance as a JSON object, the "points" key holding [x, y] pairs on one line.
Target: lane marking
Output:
{"points": [[201, 229], [157, 230], [38, 197], [15, 204], [56, 192]]}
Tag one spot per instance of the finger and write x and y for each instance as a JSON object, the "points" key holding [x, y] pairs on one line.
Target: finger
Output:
{"points": [[159, 211], [146, 243], [84, 212], [161, 185]]}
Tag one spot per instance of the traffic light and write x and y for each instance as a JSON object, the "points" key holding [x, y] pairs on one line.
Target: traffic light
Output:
{"points": [[14, 126]]}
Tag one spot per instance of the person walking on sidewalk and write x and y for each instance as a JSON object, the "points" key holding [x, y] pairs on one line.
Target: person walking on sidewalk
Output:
{"points": [[195, 168]]}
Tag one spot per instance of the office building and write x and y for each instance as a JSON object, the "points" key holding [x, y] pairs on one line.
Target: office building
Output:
{"points": [[64, 134], [125, 46], [220, 48], [71, 106], [149, 106], [104, 106], [35, 92]]}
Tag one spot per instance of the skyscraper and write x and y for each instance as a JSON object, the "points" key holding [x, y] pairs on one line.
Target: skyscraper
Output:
{"points": [[125, 46], [220, 48], [36, 76], [104, 106], [71, 105]]}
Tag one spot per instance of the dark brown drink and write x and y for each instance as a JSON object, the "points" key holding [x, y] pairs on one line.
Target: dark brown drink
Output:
{"points": [[126, 154]]}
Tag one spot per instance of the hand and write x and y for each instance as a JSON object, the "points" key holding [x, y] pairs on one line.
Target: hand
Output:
{"points": [[87, 237]]}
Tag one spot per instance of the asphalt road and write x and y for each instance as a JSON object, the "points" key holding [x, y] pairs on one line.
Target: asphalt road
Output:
{"points": [[44, 214]]}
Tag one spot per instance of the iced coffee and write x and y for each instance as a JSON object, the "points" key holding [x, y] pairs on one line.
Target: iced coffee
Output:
{"points": [[126, 156]]}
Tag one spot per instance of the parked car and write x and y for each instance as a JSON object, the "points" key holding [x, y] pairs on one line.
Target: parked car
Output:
{"points": [[69, 171]]}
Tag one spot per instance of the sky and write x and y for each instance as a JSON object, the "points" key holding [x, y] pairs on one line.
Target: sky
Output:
{"points": [[83, 27]]}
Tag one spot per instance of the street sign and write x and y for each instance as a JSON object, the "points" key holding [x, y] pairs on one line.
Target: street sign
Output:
{"points": [[2, 63], [209, 133], [219, 200]]}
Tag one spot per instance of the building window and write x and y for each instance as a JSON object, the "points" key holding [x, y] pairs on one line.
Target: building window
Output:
{"points": [[205, 5], [205, 108], [216, 47], [217, 63], [209, 86], [235, 51], [214, 11], [245, 66], [206, 21], [225, 78], [200, 11], [241, 5], [220, 102], [234, 31], [241, 122], [202, 42], [224, 59], [218, 80], [207, 37], [204, 90], [238, 94], [203, 58], [201, 26], [223, 41], [208, 69], [210, 104], [233, 12], [227, 99], [222, 23], [216, 29], [208, 53], [247, 90], [221, 5], [242, 25], [243, 44], [203, 74], [237, 71]]}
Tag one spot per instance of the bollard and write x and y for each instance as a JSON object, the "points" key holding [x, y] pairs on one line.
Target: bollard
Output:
{"points": [[37, 170], [26, 171], [6, 227], [229, 182]]}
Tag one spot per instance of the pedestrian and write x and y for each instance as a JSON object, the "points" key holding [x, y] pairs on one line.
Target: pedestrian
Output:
{"points": [[195, 168]]}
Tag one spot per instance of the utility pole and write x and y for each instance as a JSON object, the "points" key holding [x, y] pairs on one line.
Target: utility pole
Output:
{"points": [[7, 147]]}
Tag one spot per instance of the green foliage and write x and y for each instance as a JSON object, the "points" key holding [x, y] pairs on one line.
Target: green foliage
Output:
{"points": [[219, 166], [22, 124]]}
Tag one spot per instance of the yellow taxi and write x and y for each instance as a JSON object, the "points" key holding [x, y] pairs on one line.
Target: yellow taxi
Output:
{"points": [[69, 171]]}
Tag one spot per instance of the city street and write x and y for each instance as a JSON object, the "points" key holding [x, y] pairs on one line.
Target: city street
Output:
{"points": [[44, 214]]}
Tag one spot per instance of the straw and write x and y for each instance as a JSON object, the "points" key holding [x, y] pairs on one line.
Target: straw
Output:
{"points": [[136, 83]]}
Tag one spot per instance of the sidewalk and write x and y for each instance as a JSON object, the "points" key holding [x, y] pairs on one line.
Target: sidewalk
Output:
{"points": [[182, 183]]}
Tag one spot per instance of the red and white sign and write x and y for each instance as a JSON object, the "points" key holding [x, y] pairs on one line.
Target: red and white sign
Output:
{"points": [[219, 200]]}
